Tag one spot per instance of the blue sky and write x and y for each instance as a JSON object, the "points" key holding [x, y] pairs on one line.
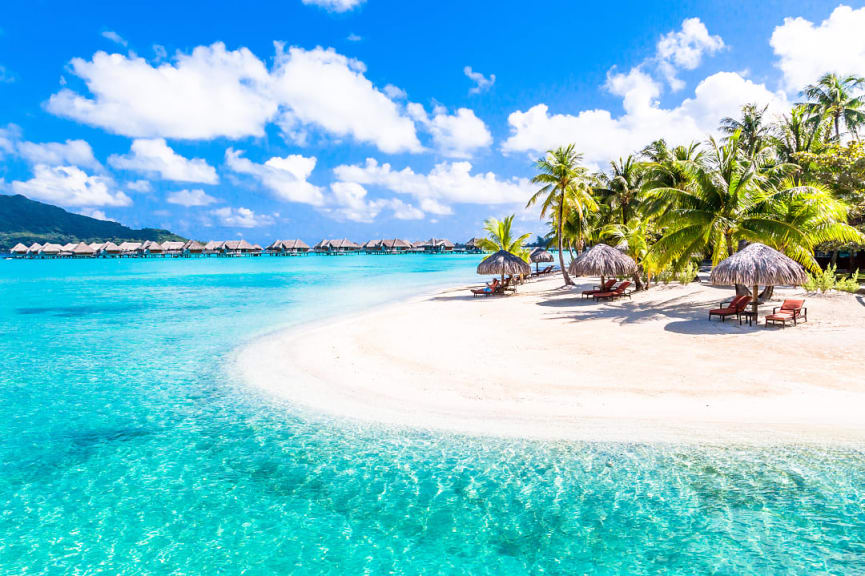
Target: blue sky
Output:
{"points": [[372, 118]]}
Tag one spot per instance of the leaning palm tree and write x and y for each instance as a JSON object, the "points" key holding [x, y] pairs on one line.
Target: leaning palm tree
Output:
{"points": [[833, 97], [565, 187], [501, 237]]}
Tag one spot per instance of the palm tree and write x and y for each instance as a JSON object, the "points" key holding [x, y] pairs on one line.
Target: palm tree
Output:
{"points": [[622, 186], [565, 188], [633, 238], [754, 132], [500, 237], [731, 201], [832, 97]]}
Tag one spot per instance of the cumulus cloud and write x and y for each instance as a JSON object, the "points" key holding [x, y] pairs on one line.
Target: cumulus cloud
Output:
{"points": [[95, 213], [215, 92], [208, 93], [286, 177], [196, 197], [74, 152], [114, 37], [70, 186], [325, 89], [139, 186], [156, 157], [683, 49], [456, 135], [601, 136], [806, 51], [335, 5], [447, 183], [482, 83], [350, 202], [241, 218]]}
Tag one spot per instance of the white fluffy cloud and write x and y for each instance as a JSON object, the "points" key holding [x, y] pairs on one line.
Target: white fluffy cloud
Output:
{"points": [[684, 49], [74, 152], [447, 183], [482, 83], [95, 213], [241, 218], [196, 197], [156, 157], [215, 92], [350, 202], [602, 137], [807, 51], [139, 186], [454, 135], [70, 186], [286, 177], [209, 93], [335, 5], [325, 89], [114, 37]]}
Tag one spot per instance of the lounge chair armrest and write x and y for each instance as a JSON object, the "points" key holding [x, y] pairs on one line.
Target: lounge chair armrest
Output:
{"points": [[774, 310]]}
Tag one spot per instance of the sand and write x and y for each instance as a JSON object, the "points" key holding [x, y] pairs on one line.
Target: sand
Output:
{"points": [[545, 364]]}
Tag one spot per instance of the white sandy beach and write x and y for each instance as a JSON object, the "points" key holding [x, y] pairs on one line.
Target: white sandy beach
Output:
{"points": [[546, 364]]}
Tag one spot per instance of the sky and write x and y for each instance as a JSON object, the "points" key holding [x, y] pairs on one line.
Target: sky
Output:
{"points": [[373, 118]]}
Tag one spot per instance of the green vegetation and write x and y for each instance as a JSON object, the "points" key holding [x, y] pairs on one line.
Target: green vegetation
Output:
{"points": [[500, 237], [26, 221], [827, 279], [795, 183]]}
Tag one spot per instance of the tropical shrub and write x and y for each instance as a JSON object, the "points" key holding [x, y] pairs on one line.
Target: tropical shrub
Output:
{"points": [[827, 279]]}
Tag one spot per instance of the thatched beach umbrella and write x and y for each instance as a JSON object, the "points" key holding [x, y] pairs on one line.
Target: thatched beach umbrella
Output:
{"points": [[757, 264], [602, 260], [539, 255], [504, 263]]}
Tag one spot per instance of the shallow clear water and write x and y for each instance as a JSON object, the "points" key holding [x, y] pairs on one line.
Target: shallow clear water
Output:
{"points": [[126, 447]]}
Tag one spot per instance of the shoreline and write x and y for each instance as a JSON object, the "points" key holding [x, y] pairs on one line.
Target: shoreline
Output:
{"points": [[545, 365]]}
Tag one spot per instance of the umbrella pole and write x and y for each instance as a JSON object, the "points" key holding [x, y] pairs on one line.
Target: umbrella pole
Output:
{"points": [[754, 306]]}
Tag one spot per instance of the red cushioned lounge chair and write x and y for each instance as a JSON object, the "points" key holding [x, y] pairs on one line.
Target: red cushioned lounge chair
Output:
{"points": [[735, 308], [486, 290], [790, 311], [617, 292], [607, 286]]}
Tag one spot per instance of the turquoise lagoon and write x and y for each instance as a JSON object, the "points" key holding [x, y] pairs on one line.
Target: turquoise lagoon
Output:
{"points": [[126, 447]]}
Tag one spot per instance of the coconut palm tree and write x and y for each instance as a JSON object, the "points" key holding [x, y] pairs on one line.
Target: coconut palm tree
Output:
{"points": [[731, 201], [832, 97], [754, 131], [621, 188], [633, 238], [565, 188], [501, 237]]}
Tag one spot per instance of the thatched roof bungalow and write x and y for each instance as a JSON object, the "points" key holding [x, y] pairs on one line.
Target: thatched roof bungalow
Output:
{"points": [[373, 247], [192, 247], [19, 249], [50, 250], [34, 249], [296, 246], [337, 246], [69, 247], [150, 247], [127, 248], [83, 250], [473, 246], [173, 248]]}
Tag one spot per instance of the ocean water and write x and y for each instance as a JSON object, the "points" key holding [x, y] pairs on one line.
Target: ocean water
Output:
{"points": [[126, 447]]}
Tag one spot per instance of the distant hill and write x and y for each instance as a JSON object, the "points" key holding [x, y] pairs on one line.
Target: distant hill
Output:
{"points": [[27, 221]]}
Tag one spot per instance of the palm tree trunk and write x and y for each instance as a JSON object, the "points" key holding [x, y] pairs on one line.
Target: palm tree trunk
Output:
{"points": [[567, 278], [837, 129]]}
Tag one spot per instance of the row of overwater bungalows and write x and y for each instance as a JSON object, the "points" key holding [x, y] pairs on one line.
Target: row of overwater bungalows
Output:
{"points": [[237, 248]]}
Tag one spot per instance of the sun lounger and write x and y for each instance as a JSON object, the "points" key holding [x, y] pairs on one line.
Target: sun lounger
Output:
{"points": [[608, 285], [487, 290], [790, 311], [617, 292], [735, 308]]}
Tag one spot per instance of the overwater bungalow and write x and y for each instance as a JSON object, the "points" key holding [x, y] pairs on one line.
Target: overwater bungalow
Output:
{"points": [[150, 248], [395, 246], [192, 248], [434, 245], [129, 248], [343, 246], [82, 250], [373, 247], [69, 247], [473, 246], [172, 248], [288, 247], [50, 250], [34, 249], [19, 250], [238, 247], [213, 247]]}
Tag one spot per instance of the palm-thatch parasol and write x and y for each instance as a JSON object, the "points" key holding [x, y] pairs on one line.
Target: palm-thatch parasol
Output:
{"points": [[602, 260], [504, 263], [757, 264], [540, 255]]}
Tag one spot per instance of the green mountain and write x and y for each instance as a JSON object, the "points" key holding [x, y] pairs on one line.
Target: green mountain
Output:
{"points": [[27, 221]]}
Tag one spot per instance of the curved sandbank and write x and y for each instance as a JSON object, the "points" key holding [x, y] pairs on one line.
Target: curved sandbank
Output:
{"points": [[545, 364]]}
